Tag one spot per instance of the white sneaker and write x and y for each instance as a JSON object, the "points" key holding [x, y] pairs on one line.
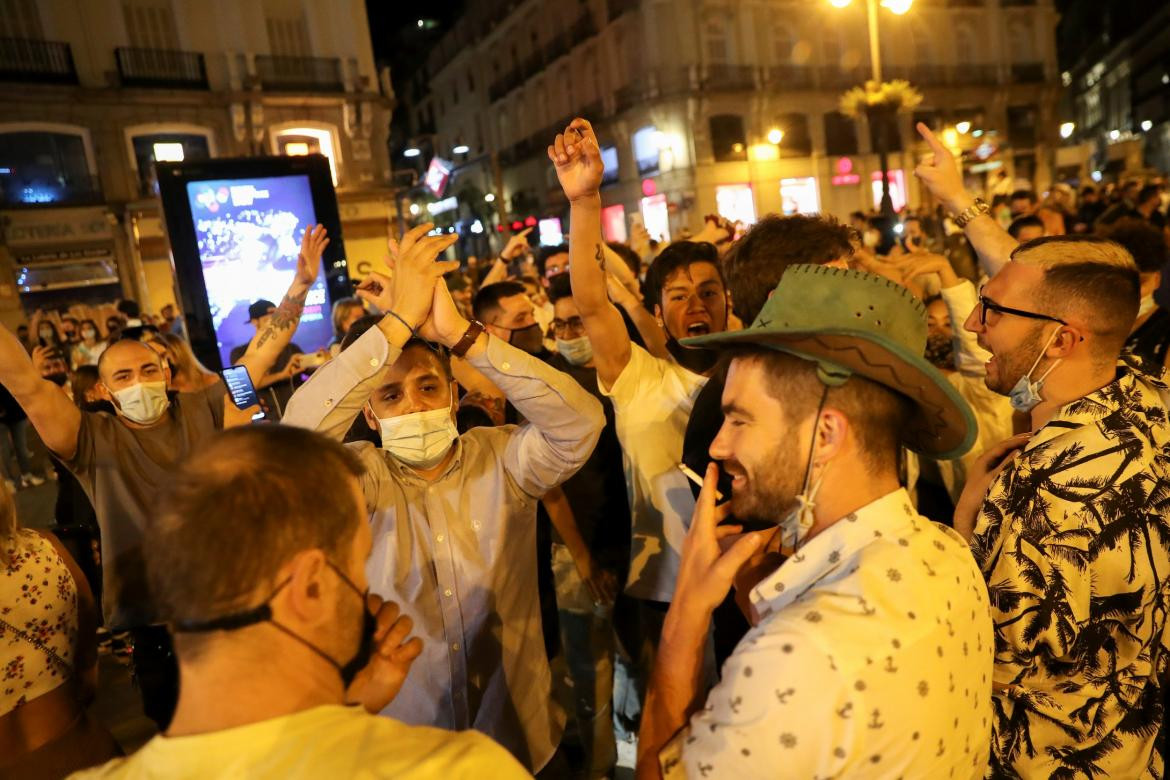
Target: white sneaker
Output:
{"points": [[32, 479]]}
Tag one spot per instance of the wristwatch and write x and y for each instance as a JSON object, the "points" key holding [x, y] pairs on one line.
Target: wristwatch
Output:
{"points": [[473, 330], [977, 209]]}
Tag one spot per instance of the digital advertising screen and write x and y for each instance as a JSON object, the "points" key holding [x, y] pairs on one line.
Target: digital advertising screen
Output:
{"points": [[249, 232], [235, 226]]}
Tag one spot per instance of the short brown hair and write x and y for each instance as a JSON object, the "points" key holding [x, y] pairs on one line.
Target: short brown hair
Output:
{"points": [[1091, 279], [876, 413], [754, 264], [239, 509]]}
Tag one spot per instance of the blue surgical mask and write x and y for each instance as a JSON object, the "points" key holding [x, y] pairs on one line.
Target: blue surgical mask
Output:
{"points": [[577, 351], [1026, 394]]}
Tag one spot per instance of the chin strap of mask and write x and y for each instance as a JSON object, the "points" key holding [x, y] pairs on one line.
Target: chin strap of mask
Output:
{"points": [[797, 523]]}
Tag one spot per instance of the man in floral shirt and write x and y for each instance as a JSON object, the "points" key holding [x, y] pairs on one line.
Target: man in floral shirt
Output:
{"points": [[1073, 531]]}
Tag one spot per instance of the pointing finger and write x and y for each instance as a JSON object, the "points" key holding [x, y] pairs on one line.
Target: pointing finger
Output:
{"points": [[930, 138]]}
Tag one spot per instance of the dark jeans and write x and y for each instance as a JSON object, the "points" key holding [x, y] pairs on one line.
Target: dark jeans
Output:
{"points": [[156, 670]]}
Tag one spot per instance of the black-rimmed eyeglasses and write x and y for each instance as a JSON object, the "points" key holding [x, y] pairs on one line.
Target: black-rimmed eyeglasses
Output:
{"points": [[986, 304]]}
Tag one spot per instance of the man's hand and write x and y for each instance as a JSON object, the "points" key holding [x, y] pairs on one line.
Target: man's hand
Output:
{"points": [[577, 158], [602, 583], [516, 246], [414, 272], [941, 175], [378, 683], [921, 263], [639, 240], [43, 357], [444, 325], [716, 230], [313, 245], [707, 571], [983, 472], [234, 416]]}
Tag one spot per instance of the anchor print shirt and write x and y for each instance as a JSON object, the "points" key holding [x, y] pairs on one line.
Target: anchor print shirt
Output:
{"points": [[872, 658]]}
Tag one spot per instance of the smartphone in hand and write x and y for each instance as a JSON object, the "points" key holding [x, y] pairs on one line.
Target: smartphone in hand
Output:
{"points": [[240, 387]]}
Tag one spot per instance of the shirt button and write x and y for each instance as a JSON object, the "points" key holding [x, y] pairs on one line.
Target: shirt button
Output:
{"points": [[447, 593], [373, 361], [475, 524], [506, 366], [440, 538], [455, 646], [329, 402]]}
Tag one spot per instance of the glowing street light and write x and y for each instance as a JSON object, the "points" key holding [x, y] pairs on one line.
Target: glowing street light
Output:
{"points": [[840, 3], [490, 197], [775, 135], [414, 209], [1067, 129], [963, 127], [461, 149], [411, 151], [898, 7], [1147, 125]]}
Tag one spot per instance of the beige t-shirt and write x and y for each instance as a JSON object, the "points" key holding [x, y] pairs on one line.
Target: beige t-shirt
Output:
{"points": [[323, 742], [652, 401]]}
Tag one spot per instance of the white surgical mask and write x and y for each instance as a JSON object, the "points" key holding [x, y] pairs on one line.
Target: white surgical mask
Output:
{"points": [[1026, 394], [577, 351], [143, 403], [1146, 306], [88, 334], [421, 439]]}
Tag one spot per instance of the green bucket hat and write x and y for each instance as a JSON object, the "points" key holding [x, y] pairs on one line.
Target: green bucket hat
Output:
{"points": [[854, 322]]}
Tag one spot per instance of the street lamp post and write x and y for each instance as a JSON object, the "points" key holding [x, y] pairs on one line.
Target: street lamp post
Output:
{"points": [[879, 114]]}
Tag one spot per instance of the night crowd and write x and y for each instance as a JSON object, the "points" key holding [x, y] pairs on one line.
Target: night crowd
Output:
{"points": [[872, 497]]}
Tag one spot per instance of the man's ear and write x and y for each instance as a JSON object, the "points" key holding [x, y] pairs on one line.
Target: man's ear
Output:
{"points": [[658, 315], [102, 392], [831, 433], [368, 416], [309, 596]]}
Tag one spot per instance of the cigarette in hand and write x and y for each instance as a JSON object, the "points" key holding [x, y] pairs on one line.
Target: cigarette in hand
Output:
{"points": [[693, 477]]}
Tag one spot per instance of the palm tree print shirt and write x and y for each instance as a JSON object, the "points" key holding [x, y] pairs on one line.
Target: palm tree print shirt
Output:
{"points": [[1074, 541]]}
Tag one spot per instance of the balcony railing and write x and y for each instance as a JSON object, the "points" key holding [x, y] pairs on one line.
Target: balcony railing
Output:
{"points": [[969, 75], [1028, 72], [788, 76], [161, 68], [729, 77], [42, 62], [299, 74]]}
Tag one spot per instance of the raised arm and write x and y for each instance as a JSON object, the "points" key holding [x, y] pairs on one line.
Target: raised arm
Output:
{"points": [[960, 298], [269, 343], [942, 177], [578, 162], [335, 394], [56, 419]]}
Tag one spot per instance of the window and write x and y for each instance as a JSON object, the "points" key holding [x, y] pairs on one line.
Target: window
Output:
{"points": [[148, 148], [923, 50], [609, 161], [150, 25], [797, 141], [715, 40], [288, 37], [964, 43], [736, 203], [46, 164], [1019, 41], [799, 196], [307, 138], [728, 141], [1021, 122], [783, 42], [840, 134], [831, 47], [19, 19], [646, 151]]}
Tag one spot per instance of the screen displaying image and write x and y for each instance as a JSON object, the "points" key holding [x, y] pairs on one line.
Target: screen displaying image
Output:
{"points": [[248, 233]]}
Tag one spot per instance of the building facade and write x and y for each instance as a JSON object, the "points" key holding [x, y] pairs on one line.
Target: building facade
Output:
{"points": [[97, 90], [687, 97], [1119, 93]]}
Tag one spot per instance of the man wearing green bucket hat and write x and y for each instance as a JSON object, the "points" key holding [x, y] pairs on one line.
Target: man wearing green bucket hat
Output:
{"points": [[871, 647]]}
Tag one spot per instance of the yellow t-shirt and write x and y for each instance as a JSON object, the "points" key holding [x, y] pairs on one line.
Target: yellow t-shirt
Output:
{"points": [[324, 742]]}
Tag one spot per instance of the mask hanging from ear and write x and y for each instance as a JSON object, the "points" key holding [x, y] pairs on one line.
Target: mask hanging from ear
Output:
{"points": [[794, 527], [1026, 394]]}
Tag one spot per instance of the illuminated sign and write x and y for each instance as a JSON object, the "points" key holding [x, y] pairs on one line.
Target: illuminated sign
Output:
{"points": [[844, 174], [437, 175], [444, 205]]}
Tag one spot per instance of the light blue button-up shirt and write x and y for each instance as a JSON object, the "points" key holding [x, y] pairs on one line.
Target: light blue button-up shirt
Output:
{"points": [[458, 554]]}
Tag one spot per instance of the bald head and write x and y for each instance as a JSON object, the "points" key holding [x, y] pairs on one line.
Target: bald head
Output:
{"points": [[126, 363]]}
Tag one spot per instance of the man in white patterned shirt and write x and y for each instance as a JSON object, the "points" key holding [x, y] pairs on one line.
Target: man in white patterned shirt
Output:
{"points": [[871, 648]]}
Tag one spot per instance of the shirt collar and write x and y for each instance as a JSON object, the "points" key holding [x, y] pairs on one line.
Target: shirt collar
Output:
{"points": [[1126, 390], [831, 548]]}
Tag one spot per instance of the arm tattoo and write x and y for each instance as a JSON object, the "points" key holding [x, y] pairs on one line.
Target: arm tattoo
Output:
{"points": [[286, 316], [600, 257]]}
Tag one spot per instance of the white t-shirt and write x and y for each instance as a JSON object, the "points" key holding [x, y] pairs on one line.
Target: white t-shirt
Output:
{"points": [[327, 741], [652, 401]]}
